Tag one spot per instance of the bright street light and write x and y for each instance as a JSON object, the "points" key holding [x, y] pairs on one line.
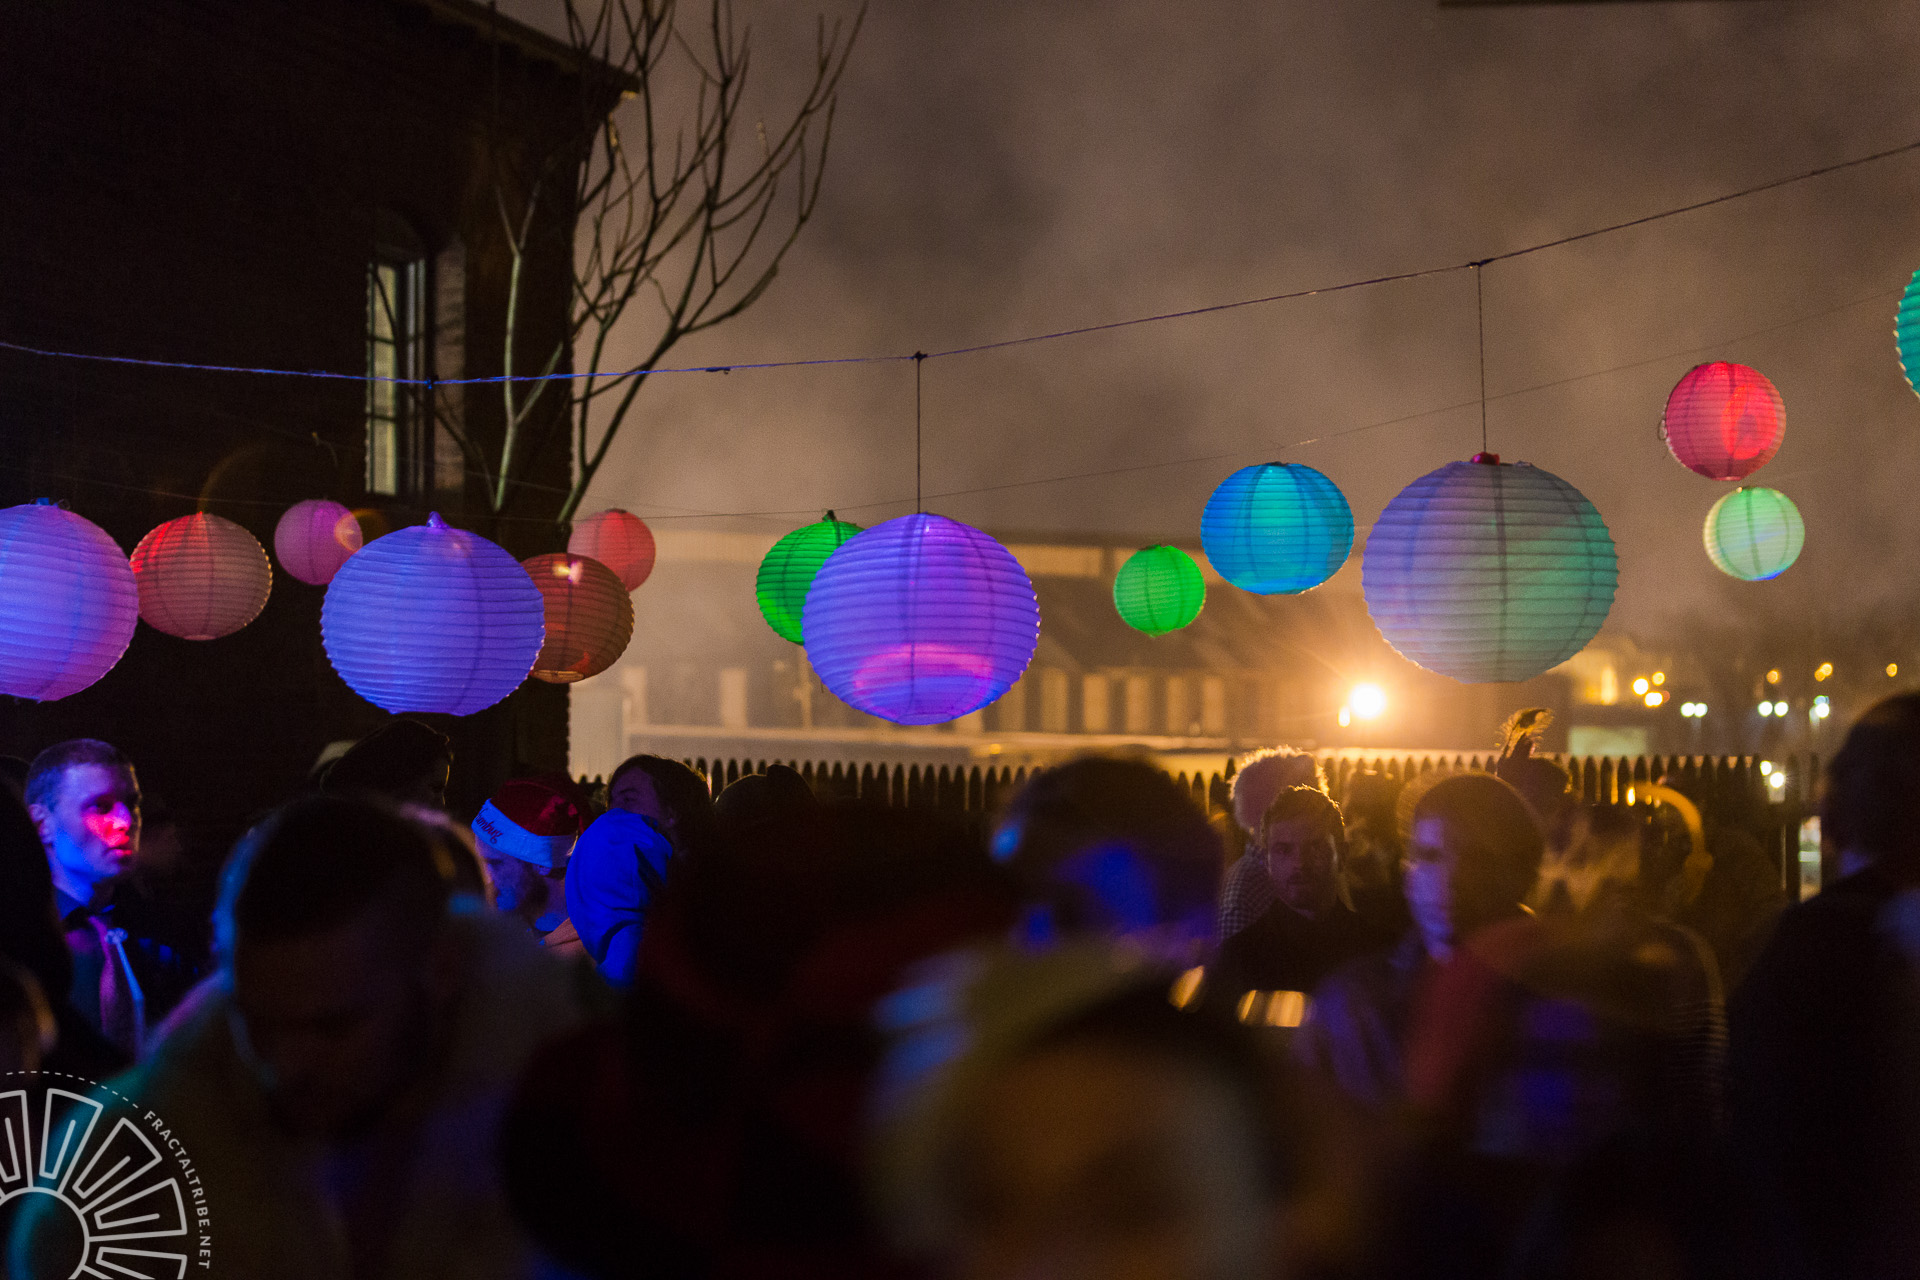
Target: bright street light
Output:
{"points": [[1766, 708], [1368, 701], [1655, 698], [1659, 677], [1640, 685]]}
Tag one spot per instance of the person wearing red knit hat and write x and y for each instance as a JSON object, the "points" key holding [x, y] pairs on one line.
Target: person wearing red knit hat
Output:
{"points": [[525, 833]]}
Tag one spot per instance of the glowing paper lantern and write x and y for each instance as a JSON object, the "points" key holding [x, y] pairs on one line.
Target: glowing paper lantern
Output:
{"points": [[1724, 421], [201, 577], [1754, 533], [1488, 571], [1277, 529], [920, 620], [1159, 590], [314, 538], [68, 602], [787, 572], [617, 539], [589, 617], [1906, 332], [432, 618]]}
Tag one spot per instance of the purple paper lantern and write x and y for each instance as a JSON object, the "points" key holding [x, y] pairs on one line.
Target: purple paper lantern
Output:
{"points": [[314, 538], [920, 620], [432, 618], [68, 602]]}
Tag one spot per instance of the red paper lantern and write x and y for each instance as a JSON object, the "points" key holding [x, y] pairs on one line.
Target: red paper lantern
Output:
{"points": [[314, 538], [1724, 421], [589, 617], [201, 577], [619, 540]]}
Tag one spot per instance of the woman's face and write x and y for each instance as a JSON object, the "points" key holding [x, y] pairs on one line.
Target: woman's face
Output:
{"points": [[1454, 886], [1091, 1163], [636, 793]]}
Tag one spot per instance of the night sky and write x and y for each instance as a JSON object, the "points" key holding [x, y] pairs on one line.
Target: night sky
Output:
{"points": [[1010, 167]]}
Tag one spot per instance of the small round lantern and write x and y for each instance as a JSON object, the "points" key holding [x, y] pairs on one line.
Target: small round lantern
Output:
{"points": [[1159, 589], [201, 577], [920, 620], [1754, 533], [314, 538], [1277, 529], [787, 572], [1906, 333], [1724, 421], [68, 602], [619, 540], [589, 617], [1488, 571], [432, 618]]}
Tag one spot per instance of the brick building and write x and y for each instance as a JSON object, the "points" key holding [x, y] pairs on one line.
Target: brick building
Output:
{"points": [[285, 184]]}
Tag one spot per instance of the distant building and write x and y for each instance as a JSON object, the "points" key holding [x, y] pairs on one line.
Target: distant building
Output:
{"points": [[290, 184]]}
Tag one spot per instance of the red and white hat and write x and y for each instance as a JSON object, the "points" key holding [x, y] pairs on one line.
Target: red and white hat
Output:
{"points": [[530, 821]]}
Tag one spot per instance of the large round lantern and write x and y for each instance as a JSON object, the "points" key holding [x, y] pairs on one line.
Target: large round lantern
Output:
{"points": [[68, 602], [314, 538], [1277, 529], [432, 618], [1906, 332], [920, 620], [1754, 533], [1159, 589], [1724, 421], [787, 572], [201, 577], [1488, 571], [589, 617], [619, 540]]}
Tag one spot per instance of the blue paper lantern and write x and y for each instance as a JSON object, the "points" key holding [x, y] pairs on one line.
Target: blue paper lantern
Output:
{"points": [[1277, 529], [1488, 571], [432, 618], [1906, 333], [68, 602], [920, 620]]}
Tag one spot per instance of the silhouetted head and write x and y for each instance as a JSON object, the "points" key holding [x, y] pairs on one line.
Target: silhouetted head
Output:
{"points": [[1264, 775], [402, 762], [780, 795], [668, 792], [1867, 804], [1473, 858]]}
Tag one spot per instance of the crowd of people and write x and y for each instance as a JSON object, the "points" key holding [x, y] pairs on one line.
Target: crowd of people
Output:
{"points": [[1464, 1025]]}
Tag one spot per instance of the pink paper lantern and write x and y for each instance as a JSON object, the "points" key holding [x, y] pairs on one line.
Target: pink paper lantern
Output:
{"points": [[1723, 420], [201, 577], [314, 538], [589, 617], [68, 602], [619, 540]]}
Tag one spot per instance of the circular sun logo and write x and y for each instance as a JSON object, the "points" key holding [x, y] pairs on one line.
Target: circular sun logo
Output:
{"points": [[96, 1184]]}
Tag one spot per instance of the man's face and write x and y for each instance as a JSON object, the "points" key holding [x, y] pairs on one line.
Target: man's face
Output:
{"points": [[430, 792], [92, 830], [336, 1024], [520, 888], [636, 793], [1301, 862]]}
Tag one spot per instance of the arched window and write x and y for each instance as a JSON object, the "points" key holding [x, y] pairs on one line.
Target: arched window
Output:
{"points": [[397, 334]]}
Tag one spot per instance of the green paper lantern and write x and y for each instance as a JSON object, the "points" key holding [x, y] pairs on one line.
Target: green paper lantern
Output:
{"points": [[1159, 590], [787, 572], [1906, 332], [1754, 533]]}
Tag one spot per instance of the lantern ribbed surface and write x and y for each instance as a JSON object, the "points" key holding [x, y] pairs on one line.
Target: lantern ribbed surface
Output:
{"points": [[1159, 589], [433, 618], [1489, 572], [201, 577], [68, 602], [1906, 333], [1754, 533], [1724, 421], [619, 540], [1277, 529], [314, 538], [788, 569], [920, 620], [589, 617]]}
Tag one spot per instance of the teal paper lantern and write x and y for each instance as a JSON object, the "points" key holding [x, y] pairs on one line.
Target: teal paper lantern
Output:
{"points": [[1906, 332], [787, 572], [1158, 590], [1488, 571], [1754, 533], [1277, 529]]}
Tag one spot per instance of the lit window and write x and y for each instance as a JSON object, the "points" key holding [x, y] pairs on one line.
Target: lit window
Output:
{"points": [[396, 354]]}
